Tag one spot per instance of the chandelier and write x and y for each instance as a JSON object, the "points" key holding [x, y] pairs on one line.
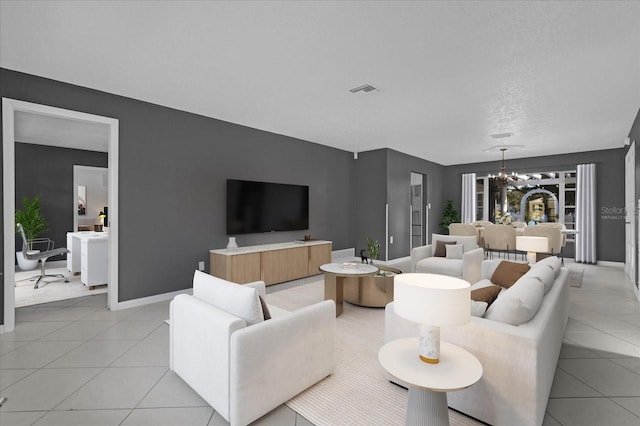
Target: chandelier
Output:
{"points": [[502, 179]]}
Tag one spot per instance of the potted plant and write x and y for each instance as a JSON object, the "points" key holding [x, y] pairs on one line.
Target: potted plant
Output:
{"points": [[449, 216], [33, 224]]}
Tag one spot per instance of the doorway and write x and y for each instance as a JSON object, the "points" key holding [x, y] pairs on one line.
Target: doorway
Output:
{"points": [[9, 109], [418, 217]]}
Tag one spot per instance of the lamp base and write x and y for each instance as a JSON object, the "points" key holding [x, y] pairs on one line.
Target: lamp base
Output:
{"points": [[531, 257], [429, 343]]}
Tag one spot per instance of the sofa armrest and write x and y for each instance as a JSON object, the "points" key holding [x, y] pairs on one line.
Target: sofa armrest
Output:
{"points": [[199, 348], [274, 360], [419, 253], [472, 265], [260, 286]]}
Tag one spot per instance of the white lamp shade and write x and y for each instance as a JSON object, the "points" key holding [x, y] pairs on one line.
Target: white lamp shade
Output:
{"points": [[532, 244], [432, 299]]}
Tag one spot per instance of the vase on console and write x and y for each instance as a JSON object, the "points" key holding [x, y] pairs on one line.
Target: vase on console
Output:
{"points": [[232, 245]]}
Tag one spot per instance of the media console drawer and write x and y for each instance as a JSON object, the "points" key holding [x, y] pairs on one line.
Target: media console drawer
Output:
{"points": [[271, 263]]}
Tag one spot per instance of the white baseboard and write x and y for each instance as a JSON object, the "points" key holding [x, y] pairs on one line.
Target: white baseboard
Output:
{"points": [[150, 299], [610, 263], [350, 252]]}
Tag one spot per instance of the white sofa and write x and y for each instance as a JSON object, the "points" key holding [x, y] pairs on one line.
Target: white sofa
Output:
{"points": [[466, 267], [242, 365], [519, 362]]}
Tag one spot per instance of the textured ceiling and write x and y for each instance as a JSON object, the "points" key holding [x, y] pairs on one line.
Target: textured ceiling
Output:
{"points": [[560, 76]]}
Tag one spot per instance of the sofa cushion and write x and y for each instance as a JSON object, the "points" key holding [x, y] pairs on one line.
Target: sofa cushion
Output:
{"points": [[478, 308], [486, 294], [440, 250], [454, 251], [440, 265], [551, 262], [236, 299], [518, 304], [507, 273], [544, 274]]}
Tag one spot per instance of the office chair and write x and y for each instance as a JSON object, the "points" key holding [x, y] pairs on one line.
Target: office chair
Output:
{"points": [[41, 255]]}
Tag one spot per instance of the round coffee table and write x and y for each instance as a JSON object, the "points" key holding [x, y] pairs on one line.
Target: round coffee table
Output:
{"points": [[429, 383], [371, 291], [334, 275]]}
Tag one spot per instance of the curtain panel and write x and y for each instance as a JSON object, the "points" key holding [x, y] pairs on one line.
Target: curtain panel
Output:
{"points": [[468, 198], [586, 213]]}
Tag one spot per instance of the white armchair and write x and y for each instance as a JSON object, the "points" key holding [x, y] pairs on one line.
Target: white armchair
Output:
{"points": [[244, 371], [467, 266]]}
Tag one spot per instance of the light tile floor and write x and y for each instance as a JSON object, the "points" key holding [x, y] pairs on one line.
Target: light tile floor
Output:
{"points": [[74, 362]]}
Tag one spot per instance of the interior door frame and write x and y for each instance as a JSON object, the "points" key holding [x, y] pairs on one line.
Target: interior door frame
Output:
{"points": [[630, 258], [9, 108]]}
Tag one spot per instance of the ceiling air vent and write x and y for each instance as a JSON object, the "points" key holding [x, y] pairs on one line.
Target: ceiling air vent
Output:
{"points": [[364, 89], [501, 135]]}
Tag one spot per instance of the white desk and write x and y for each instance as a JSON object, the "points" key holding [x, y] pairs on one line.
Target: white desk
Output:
{"points": [[429, 383], [89, 256]]}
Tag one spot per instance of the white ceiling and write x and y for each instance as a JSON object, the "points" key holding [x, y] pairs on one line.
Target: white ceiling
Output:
{"points": [[560, 76]]}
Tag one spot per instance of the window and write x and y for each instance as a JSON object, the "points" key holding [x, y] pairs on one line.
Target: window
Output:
{"points": [[531, 198]]}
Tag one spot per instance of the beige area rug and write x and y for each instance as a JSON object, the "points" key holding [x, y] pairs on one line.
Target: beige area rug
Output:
{"points": [[50, 290], [358, 392]]}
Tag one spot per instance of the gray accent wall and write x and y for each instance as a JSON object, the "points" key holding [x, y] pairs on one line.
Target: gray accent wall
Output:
{"points": [[609, 189], [382, 177], [173, 167], [48, 171]]}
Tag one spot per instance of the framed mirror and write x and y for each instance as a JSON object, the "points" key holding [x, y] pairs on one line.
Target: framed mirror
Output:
{"points": [[82, 200]]}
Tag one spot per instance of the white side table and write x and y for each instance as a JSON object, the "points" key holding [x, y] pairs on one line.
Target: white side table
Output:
{"points": [[429, 383]]}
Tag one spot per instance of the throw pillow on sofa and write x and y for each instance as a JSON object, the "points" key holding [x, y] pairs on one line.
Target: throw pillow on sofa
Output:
{"points": [[507, 273], [454, 251], [486, 294], [236, 299], [519, 303], [440, 250]]}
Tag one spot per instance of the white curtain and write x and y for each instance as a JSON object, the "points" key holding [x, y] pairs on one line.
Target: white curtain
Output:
{"points": [[468, 198], [586, 213]]}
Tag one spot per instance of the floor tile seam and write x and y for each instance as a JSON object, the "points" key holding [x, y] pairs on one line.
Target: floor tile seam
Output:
{"points": [[100, 370], [53, 331], [64, 354], [15, 383], [598, 330], [625, 339], [624, 366], [582, 381], [151, 389], [117, 323], [43, 412], [623, 407]]}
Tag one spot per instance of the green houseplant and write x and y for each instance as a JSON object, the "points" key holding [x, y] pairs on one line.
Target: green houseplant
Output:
{"points": [[373, 248], [449, 215], [33, 224]]}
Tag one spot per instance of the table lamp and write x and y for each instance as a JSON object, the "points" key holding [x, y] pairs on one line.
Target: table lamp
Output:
{"points": [[532, 245], [432, 300]]}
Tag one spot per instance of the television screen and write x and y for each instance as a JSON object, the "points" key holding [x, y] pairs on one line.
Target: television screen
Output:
{"points": [[254, 207]]}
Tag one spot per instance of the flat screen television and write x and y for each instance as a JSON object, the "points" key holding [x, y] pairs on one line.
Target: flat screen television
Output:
{"points": [[254, 207]]}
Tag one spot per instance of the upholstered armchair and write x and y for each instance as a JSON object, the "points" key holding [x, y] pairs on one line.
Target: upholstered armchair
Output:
{"points": [[243, 365], [453, 255]]}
